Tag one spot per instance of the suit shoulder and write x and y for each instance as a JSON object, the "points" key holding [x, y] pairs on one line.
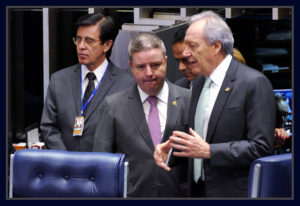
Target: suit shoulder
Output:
{"points": [[252, 78], [245, 70], [181, 91], [125, 76], [65, 71], [181, 82], [118, 96]]}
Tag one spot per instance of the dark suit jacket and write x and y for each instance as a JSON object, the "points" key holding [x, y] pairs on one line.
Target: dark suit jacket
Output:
{"points": [[63, 104], [182, 82], [123, 128], [240, 129]]}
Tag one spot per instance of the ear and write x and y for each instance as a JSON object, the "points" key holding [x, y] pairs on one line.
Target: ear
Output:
{"points": [[166, 59], [217, 47], [108, 45], [130, 64]]}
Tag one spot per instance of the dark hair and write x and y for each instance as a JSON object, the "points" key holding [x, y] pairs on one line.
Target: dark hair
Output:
{"points": [[108, 30], [179, 35]]}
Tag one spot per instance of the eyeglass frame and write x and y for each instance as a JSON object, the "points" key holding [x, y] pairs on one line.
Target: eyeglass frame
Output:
{"points": [[93, 41]]}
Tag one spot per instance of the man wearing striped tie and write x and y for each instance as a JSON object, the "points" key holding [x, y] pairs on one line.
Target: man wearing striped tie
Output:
{"points": [[134, 121]]}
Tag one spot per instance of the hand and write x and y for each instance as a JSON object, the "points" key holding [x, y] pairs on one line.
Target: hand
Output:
{"points": [[189, 145], [280, 136], [161, 154], [281, 133]]}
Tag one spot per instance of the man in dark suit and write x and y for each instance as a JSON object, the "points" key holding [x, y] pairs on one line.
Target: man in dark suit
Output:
{"points": [[233, 126], [75, 93], [127, 120], [184, 64]]}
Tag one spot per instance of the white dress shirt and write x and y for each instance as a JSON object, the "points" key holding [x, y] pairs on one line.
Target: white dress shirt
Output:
{"points": [[162, 105], [217, 78], [99, 72]]}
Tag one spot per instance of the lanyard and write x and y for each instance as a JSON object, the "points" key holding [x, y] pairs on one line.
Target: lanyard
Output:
{"points": [[83, 107]]}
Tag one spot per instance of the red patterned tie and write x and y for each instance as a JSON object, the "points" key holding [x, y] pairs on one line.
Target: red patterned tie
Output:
{"points": [[153, 120]]}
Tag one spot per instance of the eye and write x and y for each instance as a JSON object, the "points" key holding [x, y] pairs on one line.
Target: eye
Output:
{"points": [[77, 39], [183, 60], [191, 45], [155, 65], [89, 41], [140, 67]]}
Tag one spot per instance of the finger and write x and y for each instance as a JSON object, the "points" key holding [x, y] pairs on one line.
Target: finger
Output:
{"points": [[178, 146], [160, 162], [178, 140], [193, 133], [181, 154], [183, 135], [165, 167]]}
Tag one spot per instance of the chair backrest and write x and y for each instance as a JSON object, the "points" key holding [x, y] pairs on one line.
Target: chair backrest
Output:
{"points": [[271, 176], [53, 173]]}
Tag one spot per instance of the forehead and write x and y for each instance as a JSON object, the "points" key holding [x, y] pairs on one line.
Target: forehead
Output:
{"points": [[147, 56], [195, 30], [178, 48], [90, 30]]}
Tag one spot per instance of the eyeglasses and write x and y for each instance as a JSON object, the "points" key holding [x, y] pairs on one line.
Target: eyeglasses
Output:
{"points": [[89, 41], [183, 60]]}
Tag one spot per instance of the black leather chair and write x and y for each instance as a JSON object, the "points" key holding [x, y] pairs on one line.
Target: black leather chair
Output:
{"points": [[271, 177], [61, 174]]}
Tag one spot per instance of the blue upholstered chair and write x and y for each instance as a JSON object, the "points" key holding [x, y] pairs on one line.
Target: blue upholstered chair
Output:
{"points": [[271, 177], [52, 173]]}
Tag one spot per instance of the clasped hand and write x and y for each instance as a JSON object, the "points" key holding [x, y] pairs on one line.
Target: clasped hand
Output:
{"points": [[186, 145]]}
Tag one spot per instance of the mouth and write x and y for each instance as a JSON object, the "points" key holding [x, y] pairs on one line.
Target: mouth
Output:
{"points": [[150, 82], [82, 55]]}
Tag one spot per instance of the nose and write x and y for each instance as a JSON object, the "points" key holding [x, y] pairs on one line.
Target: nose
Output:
{"points": [[82, 45], [186, 52], [181, 66], [148, 71]]}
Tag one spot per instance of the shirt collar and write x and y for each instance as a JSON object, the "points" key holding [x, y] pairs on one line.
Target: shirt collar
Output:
{"points": [[99, 71], [219, 73], [162, 95]]}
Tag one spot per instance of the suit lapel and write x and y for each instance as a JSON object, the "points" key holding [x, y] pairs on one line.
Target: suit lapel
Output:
{"points": [[76, 88], [225, 91], [107, 81], [137, 111], [173, 112]]}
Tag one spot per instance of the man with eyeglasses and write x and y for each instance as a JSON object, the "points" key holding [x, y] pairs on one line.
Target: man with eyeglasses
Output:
{"points": [[134, 120], [75, 94]]}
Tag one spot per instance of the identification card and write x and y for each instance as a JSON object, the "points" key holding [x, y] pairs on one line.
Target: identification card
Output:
{"points": [[78, 126]]}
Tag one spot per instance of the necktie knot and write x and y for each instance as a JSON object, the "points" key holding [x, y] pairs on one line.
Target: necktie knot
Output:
{"points": [[90, 87], [91, 76], [152, 100], [207, 82]]}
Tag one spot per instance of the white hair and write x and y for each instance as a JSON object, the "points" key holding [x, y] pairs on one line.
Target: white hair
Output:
{"points": [[215, 29]]}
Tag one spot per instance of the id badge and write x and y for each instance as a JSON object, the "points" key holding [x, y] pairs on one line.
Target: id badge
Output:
{"points": [[78, 126]]}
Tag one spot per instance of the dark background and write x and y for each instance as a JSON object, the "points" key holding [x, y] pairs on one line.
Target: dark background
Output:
{"points": [[33, 70]]}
